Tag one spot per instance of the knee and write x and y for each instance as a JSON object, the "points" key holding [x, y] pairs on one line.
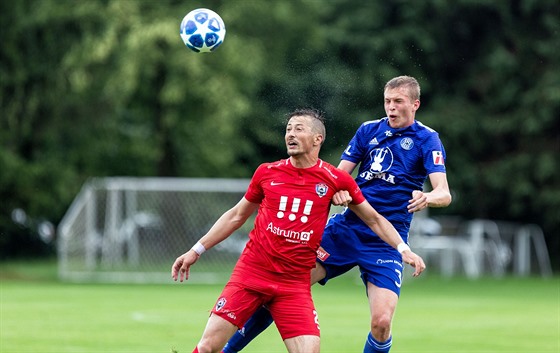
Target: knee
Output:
{"points": [[381, 326], [206, 346]]}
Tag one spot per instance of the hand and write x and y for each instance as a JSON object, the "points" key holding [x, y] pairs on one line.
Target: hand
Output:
{"points": [[415, 261], [341, 198], [182, 265], [418, 202]]}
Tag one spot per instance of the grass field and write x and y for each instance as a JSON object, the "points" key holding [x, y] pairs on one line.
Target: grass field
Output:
{"points": [[40, 315]]}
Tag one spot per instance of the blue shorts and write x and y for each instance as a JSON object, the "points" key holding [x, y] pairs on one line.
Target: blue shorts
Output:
{"points": [[345, 246]]}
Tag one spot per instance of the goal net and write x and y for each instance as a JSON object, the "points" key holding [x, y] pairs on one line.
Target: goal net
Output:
{"points": [[132, 229]]}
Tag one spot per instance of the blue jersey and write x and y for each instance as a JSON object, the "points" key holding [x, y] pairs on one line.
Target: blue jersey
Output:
{"points": [[392, 164]]}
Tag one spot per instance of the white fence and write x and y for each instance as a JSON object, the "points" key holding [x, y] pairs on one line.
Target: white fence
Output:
{"points": [[132, 229], [479, 247]]}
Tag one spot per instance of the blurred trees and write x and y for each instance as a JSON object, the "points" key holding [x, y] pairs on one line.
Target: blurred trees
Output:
{"points": [[106, 87]]}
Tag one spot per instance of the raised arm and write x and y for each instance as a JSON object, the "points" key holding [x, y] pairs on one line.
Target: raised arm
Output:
{"points": [[228, 223], [438, 197], [385, 230]]}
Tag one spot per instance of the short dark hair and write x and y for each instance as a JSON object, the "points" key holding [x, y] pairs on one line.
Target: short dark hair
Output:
{"points": [[318, 119]]}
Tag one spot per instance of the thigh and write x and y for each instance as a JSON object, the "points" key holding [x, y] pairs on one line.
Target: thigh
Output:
{"points": [[338, 252], [383, 269], [217, 332], [382, 303], [237, 303], [308, 344], [294, 312]]}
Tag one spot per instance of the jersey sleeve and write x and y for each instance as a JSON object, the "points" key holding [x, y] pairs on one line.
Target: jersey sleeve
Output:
{"points": [[356, 148], [434, 154], [255, 192], [349, 184]]}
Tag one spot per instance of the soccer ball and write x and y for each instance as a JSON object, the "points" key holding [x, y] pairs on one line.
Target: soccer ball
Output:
{"points": [[202, 30]]}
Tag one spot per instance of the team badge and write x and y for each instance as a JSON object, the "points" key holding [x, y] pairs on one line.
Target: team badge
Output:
{"points": [[407, 143], [220, 304], [321, 189]]}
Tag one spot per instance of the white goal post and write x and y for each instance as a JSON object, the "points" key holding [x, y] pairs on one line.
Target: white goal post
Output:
{"points": [[131, 229]]}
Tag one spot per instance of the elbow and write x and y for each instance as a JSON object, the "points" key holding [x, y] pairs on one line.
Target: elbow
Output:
{"points": [[237, 222], [447, 200]]}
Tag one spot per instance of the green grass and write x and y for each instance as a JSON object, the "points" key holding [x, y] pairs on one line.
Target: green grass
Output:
{"points": [[40, 315]]}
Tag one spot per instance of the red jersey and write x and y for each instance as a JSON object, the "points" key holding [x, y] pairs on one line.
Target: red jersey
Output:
{"points": [[293, 212]]}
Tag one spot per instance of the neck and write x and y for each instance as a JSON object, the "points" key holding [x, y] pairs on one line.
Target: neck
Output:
{"points": [[304, 161]]}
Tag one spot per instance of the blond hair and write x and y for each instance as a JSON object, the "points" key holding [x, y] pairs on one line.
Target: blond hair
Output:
{"points": [[411, 84]]}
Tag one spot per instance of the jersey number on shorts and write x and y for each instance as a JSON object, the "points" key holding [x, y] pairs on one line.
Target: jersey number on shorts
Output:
{"points": [[316, 319], [399, 282]]}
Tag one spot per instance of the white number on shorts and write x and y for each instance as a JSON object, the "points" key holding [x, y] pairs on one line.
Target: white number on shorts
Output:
{"points": [[316, 319], [399, 282]]}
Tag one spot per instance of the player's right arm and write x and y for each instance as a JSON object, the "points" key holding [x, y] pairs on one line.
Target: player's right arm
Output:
{"points": [[347, 166], [228, 223]]}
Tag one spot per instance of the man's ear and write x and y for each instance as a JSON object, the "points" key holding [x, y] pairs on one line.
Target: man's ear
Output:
{"points": [[416, 105]]}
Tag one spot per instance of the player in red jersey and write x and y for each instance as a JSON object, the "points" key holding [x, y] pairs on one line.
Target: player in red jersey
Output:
{"points": [[293, 198]]}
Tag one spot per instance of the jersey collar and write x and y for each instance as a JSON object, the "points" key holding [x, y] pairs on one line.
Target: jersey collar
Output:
{"points": [[401, 131]]}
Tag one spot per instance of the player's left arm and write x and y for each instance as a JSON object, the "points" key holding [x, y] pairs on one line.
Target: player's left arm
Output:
{"points": [[438, 197], [385, 230]]}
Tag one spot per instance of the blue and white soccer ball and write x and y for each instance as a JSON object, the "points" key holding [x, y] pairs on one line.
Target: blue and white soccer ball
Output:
{"points": [[202, 30]]}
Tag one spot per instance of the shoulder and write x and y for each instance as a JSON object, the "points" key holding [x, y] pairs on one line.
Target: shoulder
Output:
{"points": [[269, 167], [372, 124], [327, 167], [273, 165], [425, 129], [369, 128], [424, 132], [337, 174]]}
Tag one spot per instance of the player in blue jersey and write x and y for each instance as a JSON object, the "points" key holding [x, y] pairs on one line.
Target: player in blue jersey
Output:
{"points": [[395, 154]]}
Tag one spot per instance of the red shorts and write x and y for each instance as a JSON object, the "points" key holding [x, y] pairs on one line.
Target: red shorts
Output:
{"points": [[288, 300]]}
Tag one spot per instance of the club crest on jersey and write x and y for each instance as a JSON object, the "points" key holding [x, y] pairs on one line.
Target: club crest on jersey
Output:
{"points": [[407, 143], [321, 189], [220, 304]]}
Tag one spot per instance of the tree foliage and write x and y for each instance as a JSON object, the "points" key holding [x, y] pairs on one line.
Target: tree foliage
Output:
{"points": [[106, 87]]}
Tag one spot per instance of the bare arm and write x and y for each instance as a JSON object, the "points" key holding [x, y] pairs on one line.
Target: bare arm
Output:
{"points": [[438, 197], [342, 197], [347, 166], [385, 230], [229, 222]]}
